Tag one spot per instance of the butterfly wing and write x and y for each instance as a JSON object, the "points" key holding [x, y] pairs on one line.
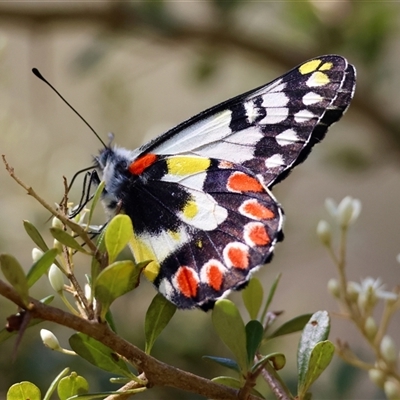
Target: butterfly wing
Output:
{"points": [[272, 128], [205, 223]]}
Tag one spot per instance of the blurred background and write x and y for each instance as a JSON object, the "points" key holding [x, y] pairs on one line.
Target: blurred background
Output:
{"points": [[137, 68]]}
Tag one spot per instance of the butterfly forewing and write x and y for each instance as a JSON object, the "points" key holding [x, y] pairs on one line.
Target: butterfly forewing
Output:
{"points": [[198, 195]]}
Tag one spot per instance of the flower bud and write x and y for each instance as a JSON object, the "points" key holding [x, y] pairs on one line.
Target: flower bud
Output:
{"points": [[388, 349], [57, 245], [377, 376], [56, 278], [324, 233], [348, 211], [334, 288], [49, 339], [56, 223], [370, 327], [392, 390], [36, 254], [353, 290]]}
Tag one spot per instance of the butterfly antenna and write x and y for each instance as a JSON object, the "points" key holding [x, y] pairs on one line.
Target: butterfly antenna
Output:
{"points": [[41, 77]]}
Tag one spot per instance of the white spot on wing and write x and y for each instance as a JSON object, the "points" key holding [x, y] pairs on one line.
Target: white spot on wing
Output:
{"points": [[287, 137], [311, 98], [275, 115], [275, 99], [274, 161], [166, 289], [249, 137], [204, 132], [208, 213], [251, 111], [303, 116]]}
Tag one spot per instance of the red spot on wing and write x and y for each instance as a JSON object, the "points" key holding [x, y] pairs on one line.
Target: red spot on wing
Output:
{"points": [[187, 281], [215, 277], [139, 165], [256, 210], [256, 233], [240, 182], [237, 255]]}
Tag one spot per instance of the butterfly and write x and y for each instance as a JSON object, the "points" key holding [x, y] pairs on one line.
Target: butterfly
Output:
{"points": [[199, 195]]}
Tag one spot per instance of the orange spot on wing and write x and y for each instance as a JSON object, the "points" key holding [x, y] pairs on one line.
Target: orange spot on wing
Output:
{"points": [[257, 210], [214, 277], [238, 257], [187, 281], [139, 165], [258, 235], [240, 182]]}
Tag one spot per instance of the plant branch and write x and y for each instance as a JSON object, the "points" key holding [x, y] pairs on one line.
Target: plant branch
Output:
{"points": [[157, 372]]}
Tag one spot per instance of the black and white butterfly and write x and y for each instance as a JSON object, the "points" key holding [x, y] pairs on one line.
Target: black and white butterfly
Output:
{"points": [[199, 195]]}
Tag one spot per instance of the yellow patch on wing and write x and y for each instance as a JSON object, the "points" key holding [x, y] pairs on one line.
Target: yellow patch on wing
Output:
{"points": [[326, 66], [187, 165], [190, 210], [309, 66]]}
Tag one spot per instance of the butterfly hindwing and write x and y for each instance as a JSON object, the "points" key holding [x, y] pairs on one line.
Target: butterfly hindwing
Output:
{"points": [[199, 196]]}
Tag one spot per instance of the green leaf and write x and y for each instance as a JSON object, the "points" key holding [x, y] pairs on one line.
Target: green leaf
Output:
{"points": [[270, 298], [254, 335], [72, 385], [230, 328], [101, 249], [41, 266], [235, 384], [23, 391], [15, 275], [99, 355], [114, 281], [315, 331], [225, 362], [53, 385], [34, 234], [278, 361], [118, 233], [95, 200], [158, 316], [294, 325], [320, 358], [252, 297], [67, 240], [228, 381]]}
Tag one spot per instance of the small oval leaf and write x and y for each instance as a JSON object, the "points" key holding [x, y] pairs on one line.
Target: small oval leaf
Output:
{"points": [[225, 362], [72, 385], [315, 331], [114, 281], [67, 240], [41, 266], [158, 316], [254, 335], [294, 325], [228, 381], [34, 234], [118, 233], [95, 200], [98, 354], [15, 275], [252, 297], [23, 391], [230, 328], [320, 358]]}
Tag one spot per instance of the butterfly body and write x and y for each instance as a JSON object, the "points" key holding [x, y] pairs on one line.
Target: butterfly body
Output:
{"points": [[199, 195]]}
